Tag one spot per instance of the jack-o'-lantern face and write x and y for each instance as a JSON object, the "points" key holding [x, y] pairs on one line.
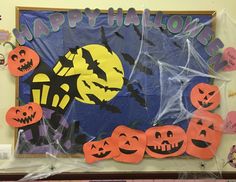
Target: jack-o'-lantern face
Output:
{"points": [[166, 141], [22, 60], [205, 97], [131, 142], [204, 134], [21, 116], [100, 150]]}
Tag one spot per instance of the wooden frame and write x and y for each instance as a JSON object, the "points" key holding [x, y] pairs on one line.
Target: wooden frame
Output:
{"points": [[18, 9]]}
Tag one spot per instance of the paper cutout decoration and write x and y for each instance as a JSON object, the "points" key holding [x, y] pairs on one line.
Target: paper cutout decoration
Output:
{"points": [[230, 123], [25, 115], [22, 60], [93, 82], [204, 134], [205, 97], [99, 150], [131, 142], [232, 156], [229, 55], [166, 141]]}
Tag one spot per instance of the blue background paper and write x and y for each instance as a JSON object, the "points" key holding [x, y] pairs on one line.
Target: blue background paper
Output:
{"points": [[94, 120]]}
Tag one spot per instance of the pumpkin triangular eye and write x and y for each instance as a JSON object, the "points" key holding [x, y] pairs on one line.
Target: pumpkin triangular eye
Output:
{"points": [[201, 91], [22, 52], [158, 134], [14, 57], [105, 143], [169, 134], [212, 93], [199, 122], [93, 146], [211, 127]]}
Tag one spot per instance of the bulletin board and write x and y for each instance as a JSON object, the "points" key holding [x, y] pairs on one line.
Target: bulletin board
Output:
{"points": [[82, 115], [111, 73]]}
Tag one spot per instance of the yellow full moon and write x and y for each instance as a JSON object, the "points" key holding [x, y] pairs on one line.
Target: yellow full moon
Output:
{"points": [[103, 84]]}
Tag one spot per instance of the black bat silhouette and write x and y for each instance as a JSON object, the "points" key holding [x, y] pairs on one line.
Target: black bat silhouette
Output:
{"points": [[86, 84], [93, 65], [177, 45], [135, 94], [104, 40], [117, 70], [139, 65], [74, 50], [103, 104], [106, 88], [140, 36], [126, 81], [119, 35], [138, 84]]}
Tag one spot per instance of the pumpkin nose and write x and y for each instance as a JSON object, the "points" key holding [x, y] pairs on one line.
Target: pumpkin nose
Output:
{"points": [[24, 113], [100, 149], [165, 142], [127, 143], [22, 60], [205, 97], [203, 132]]}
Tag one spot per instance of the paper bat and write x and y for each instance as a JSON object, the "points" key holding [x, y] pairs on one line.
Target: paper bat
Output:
{"points": [[138, 84], [74, 50], [106, 88], [103, 104], [117, 70], [140, 36], [177, 45], [93, 65], [86, 84], [104, 40], [126, 81], [139, 65], [119, 35], [136, 95]]}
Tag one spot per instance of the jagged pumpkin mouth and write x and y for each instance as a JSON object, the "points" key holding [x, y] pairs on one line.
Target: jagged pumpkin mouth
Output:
{"points": [[163, 150], [25, 120]]}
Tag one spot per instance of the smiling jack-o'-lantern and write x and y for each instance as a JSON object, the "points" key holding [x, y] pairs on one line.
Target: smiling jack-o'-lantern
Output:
{"points": [[131, 142], [204, 134], [99, 150], [22, 60], [21, 116], [166, 141], [205, 97]]}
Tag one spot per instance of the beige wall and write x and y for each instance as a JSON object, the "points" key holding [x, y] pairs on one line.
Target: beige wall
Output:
{"points": [[7, 89]]}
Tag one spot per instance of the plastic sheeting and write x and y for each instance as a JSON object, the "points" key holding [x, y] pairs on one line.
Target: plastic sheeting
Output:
{"points": [[160, 69]]}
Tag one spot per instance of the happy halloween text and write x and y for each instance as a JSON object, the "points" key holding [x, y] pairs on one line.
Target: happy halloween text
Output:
{"points": [[175, 24]]}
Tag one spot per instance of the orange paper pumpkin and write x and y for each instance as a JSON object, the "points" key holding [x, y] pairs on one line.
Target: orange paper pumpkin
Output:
{"points": [[131, 142], [99, 150], [21, 116], [204, 134], [22, 60], [166, 141], [205, 97]]}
